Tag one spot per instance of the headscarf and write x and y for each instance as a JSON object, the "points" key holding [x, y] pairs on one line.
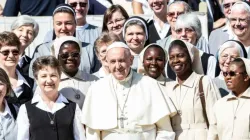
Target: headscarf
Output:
{"points": [[194, 54], [59, 7], [136, 18], [59, 41], [247, 64], [141, 56], [236, 44]]}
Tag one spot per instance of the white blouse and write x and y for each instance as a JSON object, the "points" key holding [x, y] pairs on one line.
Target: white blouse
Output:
{"points": [[23, 120]]}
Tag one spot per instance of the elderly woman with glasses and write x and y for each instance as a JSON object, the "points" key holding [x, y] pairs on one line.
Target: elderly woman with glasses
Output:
{"points": [[64, 24], [74, 82], [223, 32], [188, 28], [114, 19], [231, 113], [26, 29], [49, 115], [239, 20], [174, 10], [227, 52], [22, 85]]}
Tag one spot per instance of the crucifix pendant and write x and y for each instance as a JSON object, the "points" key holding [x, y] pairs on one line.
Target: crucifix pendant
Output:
{"points": [[179, 112], [51, 122], [122, 119]]}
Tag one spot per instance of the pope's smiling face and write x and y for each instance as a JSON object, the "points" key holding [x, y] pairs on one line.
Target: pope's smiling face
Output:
{"points": [[119, 61]]}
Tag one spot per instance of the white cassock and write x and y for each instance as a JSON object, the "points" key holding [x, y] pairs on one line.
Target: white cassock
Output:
{"points": [[133, 109]]}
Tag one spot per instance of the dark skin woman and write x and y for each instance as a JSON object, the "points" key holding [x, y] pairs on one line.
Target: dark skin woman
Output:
{"points": [[180, 61], [185, 93], [154, 61]]}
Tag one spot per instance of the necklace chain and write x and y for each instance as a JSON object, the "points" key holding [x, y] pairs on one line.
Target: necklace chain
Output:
{"points": [[122, 118], [52, 120], [181, 99], [122, 109]]}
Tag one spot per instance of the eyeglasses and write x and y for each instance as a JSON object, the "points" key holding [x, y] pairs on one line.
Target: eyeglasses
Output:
{"points": [[67, 55], [171, 14], [232, 73], [241, 20], [186, 30], [228, 5], [7, 52], [117, 21], [81, 4], [225, 57]]}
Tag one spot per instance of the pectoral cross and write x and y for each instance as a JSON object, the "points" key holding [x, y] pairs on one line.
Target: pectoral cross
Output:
{"points": [[122, 119], [179, 112]]}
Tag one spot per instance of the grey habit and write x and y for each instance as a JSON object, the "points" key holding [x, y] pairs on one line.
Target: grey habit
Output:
{"points": [[217, 38]]}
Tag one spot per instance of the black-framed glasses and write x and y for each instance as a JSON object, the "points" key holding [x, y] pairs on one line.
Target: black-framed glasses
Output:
{"points": [[81, 4], [228, 5], [232, 73], [7, 52], [67, 55]]}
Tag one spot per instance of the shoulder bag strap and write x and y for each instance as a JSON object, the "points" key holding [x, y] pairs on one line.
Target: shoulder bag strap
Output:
{"points": [[203, 101]]}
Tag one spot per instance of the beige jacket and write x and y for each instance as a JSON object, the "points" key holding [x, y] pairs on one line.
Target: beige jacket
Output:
{"points": [[231, 118], [75, 88], [191, 125]]}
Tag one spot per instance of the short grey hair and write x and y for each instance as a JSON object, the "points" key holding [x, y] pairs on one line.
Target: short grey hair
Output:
{"points": [[241, 5], [25, 20], [189, 20], [187, 8]]}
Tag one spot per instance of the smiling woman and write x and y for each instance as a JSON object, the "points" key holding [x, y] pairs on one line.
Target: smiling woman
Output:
{"points": [[26, 29], [74, 82], [186, 95], [64, 24], [227, 52], [135, 34], [22, 85], [113, 20], [154, 59], [49, 112]]}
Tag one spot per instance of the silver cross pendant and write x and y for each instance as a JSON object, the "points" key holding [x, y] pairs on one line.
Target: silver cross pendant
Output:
{"points": [[122, 119]]}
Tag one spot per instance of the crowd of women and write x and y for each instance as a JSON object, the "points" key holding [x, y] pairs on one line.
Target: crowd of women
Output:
{"points": [[42, 95]]}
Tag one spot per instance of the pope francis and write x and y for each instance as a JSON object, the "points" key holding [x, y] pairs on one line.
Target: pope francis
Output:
{"points": [[126, 105]]}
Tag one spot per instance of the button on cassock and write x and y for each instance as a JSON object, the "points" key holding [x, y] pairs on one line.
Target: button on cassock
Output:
{"points": [[77, 96]]}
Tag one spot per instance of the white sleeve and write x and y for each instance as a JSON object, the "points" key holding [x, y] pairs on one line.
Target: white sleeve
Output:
{"points": [[79, 132], [164, 129], [23, 124], [211, 66], [92, 134]]}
